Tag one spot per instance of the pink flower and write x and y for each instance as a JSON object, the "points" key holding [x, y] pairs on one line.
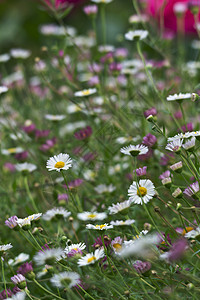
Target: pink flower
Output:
{"points": [[154, 8]]}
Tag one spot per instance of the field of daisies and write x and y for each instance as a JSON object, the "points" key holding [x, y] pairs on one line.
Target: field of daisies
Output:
{"points": [[100, 170]]}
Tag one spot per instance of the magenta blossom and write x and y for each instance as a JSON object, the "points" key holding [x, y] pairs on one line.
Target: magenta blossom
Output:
{"points": [[83, 133], [155, 9], [151, 111], [141, 171], [149, 140]]}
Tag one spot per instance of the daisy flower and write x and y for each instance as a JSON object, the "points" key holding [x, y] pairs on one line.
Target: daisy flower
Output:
{"points": [[84, 93], [179, 97], [106, 48], [25, 167], [22, 257], [12, 150], [185, 135], [102, 1], [192, 190], [193, 233], [26, 222], [122, 223], [141, 247], [175, 145], [99, 227], [59, 162], [84, 216], [102, 188], [6, 247], [141, 192], [56, 213], [3, 89], [136, 35], [20, 53], [134, 150], [5, 57], [55, 117], [119, 207], [116, 244], [189, 144], [91, 258], [61, 280], [18, 296], [12, 222], [75, 248], [48, 256]]}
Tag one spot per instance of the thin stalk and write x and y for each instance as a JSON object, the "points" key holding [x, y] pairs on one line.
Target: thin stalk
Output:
{"points": [[103, 22], [3, 275], [47, 291], [29, 193]]}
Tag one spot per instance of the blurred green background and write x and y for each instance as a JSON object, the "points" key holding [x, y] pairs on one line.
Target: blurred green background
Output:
{"points": [[20, 20]]}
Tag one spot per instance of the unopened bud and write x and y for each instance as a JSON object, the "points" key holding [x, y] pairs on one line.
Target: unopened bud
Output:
{"points": [[190, 286], [178, 206], [157, 209], [194, 97], [71, 219]]}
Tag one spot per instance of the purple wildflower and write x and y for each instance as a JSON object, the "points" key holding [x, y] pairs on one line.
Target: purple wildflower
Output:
{"points": [[83, 133], [149, 140], [12, 222], [141, 171], [142, 267]]}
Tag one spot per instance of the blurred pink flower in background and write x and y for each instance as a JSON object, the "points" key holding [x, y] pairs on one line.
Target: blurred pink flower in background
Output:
{"points": [[59, 4], [159, 8]]}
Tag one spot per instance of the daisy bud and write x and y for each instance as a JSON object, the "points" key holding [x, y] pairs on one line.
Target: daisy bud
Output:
{"points": [[35, 231], [167, 182], [150, 118], [71, 219], [193, 6], [194, 97], [179, 9], [127, 293], [90, 10], [177, 167], [190, 144], [179, 206], [177, 193], [147, 226], [19, 280], [190, 286]]}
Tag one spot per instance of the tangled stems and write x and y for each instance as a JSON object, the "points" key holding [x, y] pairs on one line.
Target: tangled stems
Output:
{"points": [[80, 287], [47, 291], [68, 189], [153, 83], [3, 275]]}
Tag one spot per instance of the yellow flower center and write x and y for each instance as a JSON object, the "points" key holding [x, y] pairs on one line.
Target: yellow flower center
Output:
{"points": [[12, 150], [100, 226], [59, 165], [117, 247], [91, 259], [142, 191], [75, 249], [92, 216], [86, 93], [188, 229]]}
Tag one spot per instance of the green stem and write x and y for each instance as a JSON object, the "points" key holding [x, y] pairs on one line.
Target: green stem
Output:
{"points": [[28, 240], [80, 287], [3, 275], [35, 240], [47, 291], [103, 23], [29, 193]]}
